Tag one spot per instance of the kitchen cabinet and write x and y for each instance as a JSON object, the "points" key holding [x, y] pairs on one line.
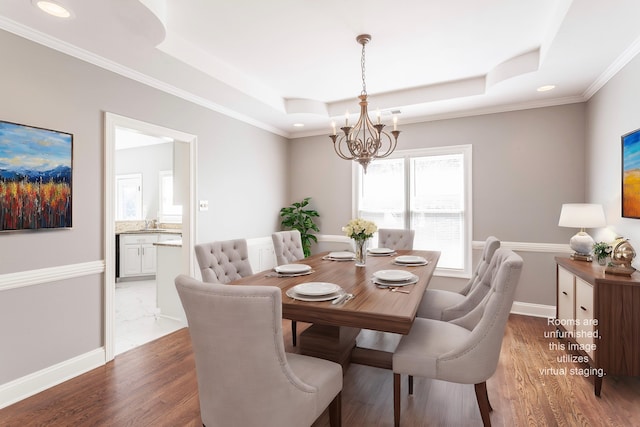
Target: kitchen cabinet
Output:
{"points": [[137, 255], [599, 315]]}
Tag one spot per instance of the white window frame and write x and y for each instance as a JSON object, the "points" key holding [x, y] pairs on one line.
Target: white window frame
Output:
{"points": [[167, 214], [134, 177], [466, 151]]}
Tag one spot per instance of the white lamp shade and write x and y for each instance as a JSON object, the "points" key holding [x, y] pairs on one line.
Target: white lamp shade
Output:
{"points": [[582, 215]]}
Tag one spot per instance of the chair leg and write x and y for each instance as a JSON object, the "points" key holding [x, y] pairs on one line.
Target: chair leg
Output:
{"points": [[483, 403], [294, 335], [396, 400], [410, 384], [335, 411]]}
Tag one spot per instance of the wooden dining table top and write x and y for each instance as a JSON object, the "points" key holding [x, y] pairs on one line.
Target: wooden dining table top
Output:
{"points": [[371, 308]]}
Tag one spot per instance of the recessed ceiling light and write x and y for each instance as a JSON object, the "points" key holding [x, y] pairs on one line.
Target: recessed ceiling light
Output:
{"points": [[546, 88], [53, 8], [298, 125]]}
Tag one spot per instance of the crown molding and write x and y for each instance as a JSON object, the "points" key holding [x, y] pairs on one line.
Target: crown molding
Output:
{"points": [[99, 61]]}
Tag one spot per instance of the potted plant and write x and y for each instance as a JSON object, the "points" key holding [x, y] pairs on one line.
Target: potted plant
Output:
{"points": [[298, 218], [601, 250]]}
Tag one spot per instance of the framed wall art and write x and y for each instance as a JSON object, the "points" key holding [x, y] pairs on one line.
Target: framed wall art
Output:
{"points": [[631, 174], [35, 178]]}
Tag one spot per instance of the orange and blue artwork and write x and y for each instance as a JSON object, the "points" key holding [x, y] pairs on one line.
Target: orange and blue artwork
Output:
{"points": [[35, 178], [631, 174]]}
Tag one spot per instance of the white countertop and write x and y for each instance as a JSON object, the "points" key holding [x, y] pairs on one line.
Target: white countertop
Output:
{"points": [[177, 243]]}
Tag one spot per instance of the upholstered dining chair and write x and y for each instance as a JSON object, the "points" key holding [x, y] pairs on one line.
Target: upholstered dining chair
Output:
{"points": [[448, 305], [245, 378], [465, 350], [395, 238], [223, 261], [287, 246]]}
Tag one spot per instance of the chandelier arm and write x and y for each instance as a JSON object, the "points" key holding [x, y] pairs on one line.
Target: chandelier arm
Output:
{"points": [[392, 142], [337, 147]]}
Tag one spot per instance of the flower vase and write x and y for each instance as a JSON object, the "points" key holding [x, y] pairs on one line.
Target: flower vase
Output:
{"points": [[602, 260], [361, 251]]}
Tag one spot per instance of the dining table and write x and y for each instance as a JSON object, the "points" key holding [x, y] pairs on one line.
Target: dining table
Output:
{"points": [[335, 326]]}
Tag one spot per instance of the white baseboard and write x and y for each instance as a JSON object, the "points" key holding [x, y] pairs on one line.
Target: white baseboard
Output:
{"points": [[36, 382], [535, 310]]}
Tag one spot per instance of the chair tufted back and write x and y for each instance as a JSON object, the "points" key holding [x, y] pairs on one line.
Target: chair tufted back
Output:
{"points": [[224, 261], [490, 246], [287, 246], [395, 238]]}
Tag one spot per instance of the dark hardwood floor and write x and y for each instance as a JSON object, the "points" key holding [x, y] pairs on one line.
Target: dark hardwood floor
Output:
{"points": [[155, 385]]}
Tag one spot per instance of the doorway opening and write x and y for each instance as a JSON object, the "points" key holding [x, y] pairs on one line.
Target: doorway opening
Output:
{"points": [[138, 212]]}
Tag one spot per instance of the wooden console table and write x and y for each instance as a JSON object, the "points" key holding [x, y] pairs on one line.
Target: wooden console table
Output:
{"points": [[585, 293]]}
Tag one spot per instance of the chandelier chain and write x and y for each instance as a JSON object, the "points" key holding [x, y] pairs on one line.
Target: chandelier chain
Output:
{"points": [[364, 84]]}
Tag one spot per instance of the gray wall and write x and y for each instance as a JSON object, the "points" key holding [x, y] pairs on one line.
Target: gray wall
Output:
{"points": [[242, 171], [525, 165], [611, 113]]}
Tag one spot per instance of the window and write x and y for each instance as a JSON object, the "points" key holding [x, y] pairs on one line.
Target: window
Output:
{"points": [[168, 211], [129, 197], [427, 190]]}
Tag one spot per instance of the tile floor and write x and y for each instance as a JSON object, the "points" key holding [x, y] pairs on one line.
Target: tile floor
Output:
{"points": [[136, 316]]}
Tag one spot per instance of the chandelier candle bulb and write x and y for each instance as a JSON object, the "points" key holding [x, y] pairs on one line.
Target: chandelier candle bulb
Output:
{"points": [[333, 127], [395, 122]]}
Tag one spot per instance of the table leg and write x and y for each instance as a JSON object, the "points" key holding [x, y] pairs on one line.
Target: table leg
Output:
{"points": [[333, 343]]}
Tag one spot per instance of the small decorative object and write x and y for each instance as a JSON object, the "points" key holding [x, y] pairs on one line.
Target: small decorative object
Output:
{"points": [[622, 255], [360, 230], [601, 250], [631, 175], [35, 178], [582, 215], [297, 218]]}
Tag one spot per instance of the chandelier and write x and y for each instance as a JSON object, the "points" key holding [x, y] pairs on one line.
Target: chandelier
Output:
{"points": [[365, 141]]}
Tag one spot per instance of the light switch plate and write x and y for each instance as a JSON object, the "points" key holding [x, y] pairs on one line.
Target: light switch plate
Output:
{"points": [[204, 205]]}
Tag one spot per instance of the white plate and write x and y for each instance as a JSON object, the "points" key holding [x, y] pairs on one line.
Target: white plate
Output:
{"points": [[393, 275], [386, 283], [410, 259], [381, 251], [293, 294], [292, 268], [341, 255], [411, 264], [316, 288]]}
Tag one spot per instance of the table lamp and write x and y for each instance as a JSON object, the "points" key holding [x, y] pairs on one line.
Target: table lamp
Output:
{"points": [[582, 215]]}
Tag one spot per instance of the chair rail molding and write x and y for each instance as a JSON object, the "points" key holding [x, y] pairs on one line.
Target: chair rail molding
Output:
{"points": [[50, 274]]}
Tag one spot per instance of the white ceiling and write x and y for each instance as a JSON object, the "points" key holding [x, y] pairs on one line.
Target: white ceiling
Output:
{"points": [[274, 63]]}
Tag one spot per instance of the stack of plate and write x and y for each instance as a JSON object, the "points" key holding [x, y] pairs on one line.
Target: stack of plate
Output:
{"points": [[341, 256], [410, 260], [315, 291], [381, 251], [386, 278], [293, 269]]}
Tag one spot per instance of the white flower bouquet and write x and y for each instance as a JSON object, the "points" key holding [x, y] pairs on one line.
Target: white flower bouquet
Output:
{"points": [[360, 229]]}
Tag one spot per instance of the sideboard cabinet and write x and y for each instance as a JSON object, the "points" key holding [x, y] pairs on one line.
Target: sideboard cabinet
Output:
{"points": [[600, 313]]}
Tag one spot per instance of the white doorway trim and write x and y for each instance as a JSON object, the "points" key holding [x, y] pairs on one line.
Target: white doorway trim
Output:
{"points": [[113, 121]]}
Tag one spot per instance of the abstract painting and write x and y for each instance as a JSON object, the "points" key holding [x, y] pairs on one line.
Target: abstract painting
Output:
{"points": [[35, 178], [631, 174]]}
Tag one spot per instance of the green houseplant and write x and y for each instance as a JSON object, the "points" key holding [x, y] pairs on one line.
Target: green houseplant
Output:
{"points": [[298, 218]]}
